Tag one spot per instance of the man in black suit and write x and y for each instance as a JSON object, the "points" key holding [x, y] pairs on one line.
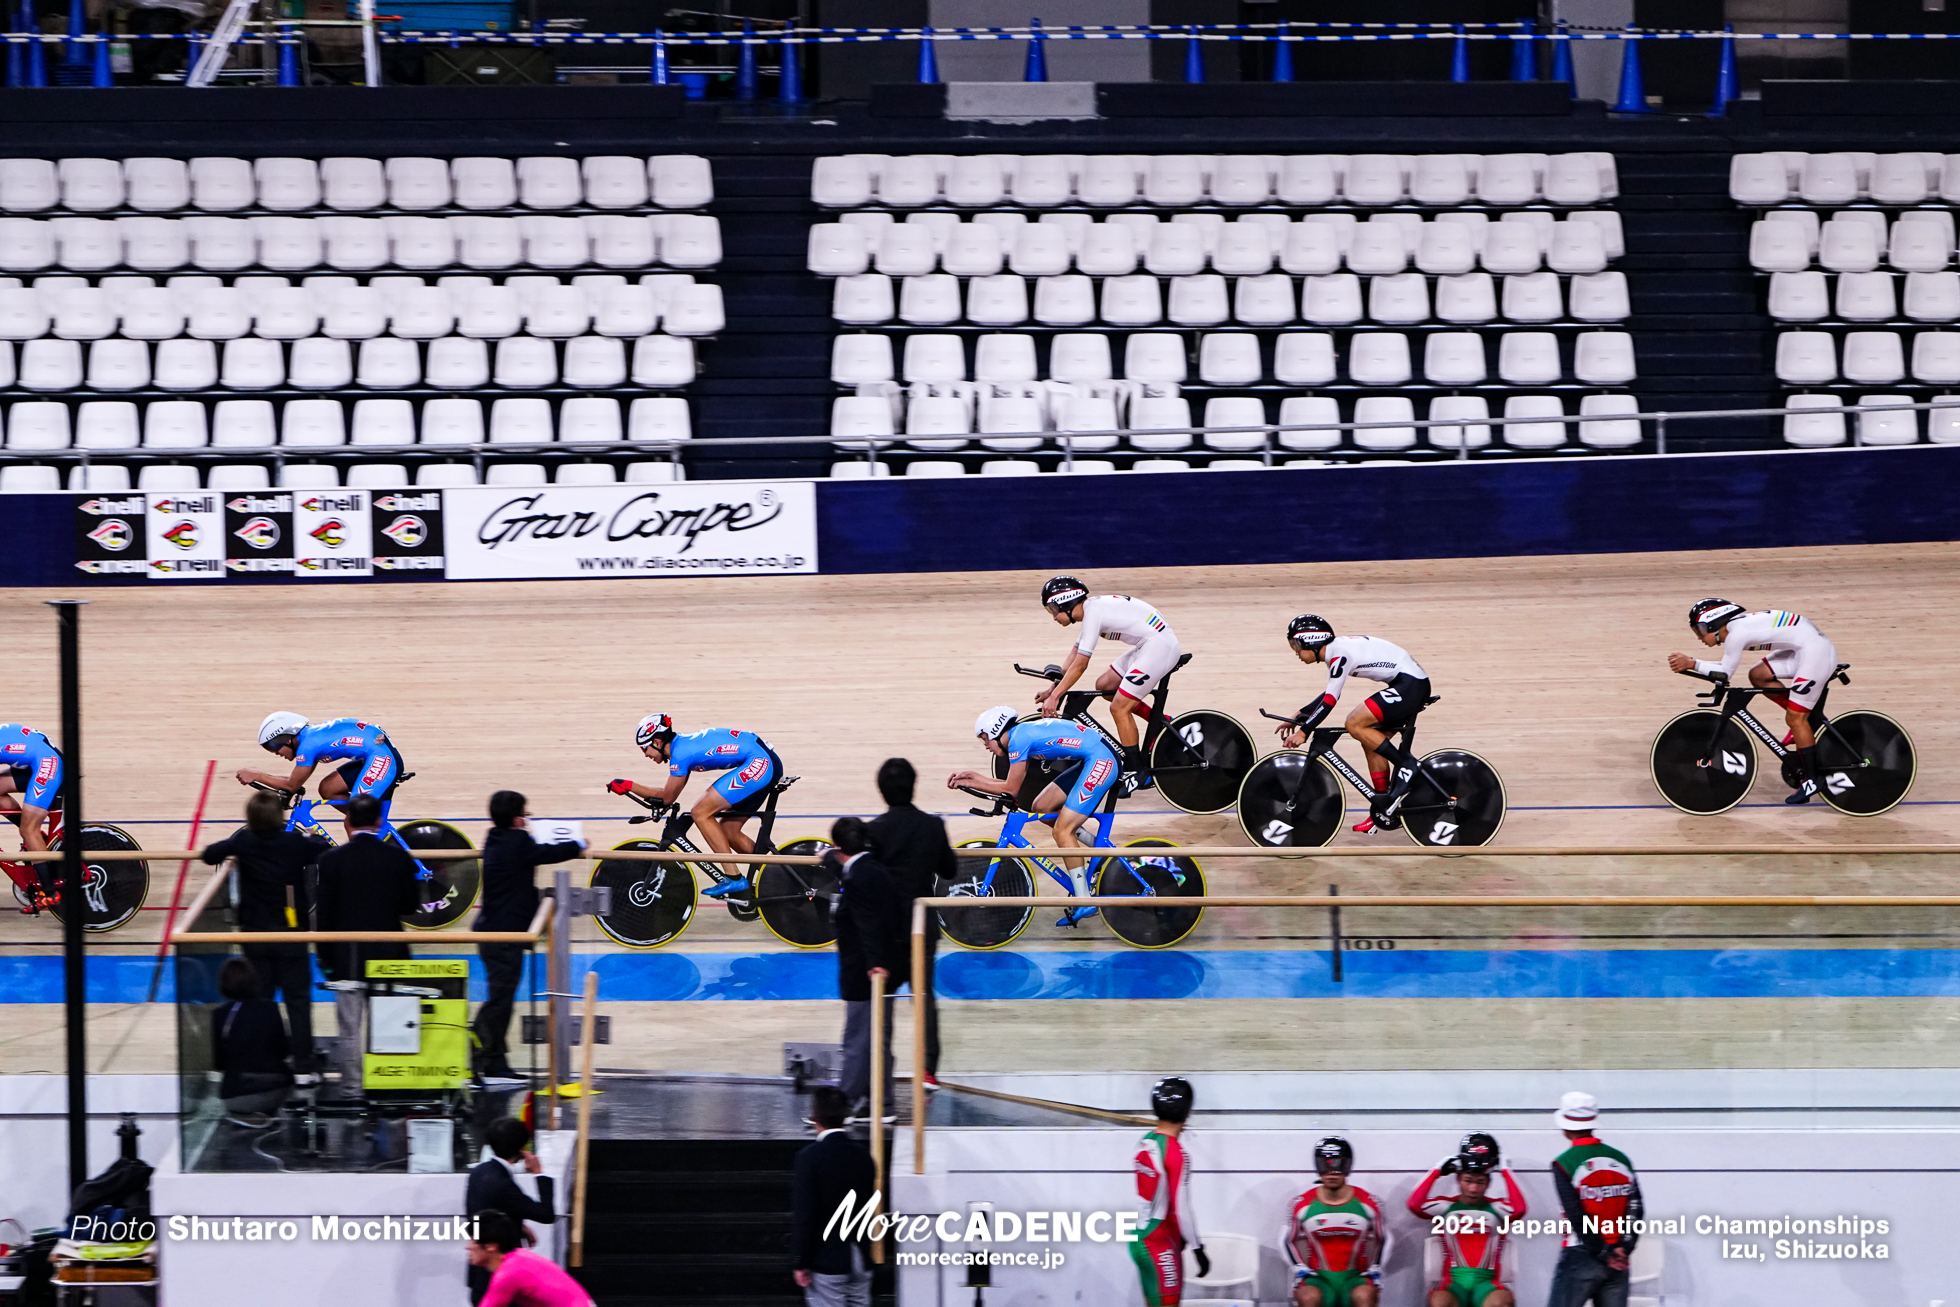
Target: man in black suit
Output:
{"points": [[511, 859], [913, 846], [272, 873], [873, 916], [831, 1269], [493, 1186], [365, 884]]}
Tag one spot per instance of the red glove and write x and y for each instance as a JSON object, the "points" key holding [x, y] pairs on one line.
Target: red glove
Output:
{"points": [[621, 787]]}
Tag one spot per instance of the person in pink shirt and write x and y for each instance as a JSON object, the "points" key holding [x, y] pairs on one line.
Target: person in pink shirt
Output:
{"points": [[519, 1277]]}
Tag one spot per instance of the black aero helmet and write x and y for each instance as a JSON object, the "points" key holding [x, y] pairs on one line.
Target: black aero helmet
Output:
{"points": [[1710, 615], [1062, 593], [1309, 632], [1170, 1099], [1477, 1152], [1333, 1154]]}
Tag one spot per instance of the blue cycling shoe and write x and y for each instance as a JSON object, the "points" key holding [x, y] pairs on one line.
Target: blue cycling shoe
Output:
{"points": [[1076, 916], [740, 885]]}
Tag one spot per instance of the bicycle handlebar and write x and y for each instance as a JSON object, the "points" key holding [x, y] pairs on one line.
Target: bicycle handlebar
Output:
{"points": [[1293, 720], [1052, 672], [287, 797]]}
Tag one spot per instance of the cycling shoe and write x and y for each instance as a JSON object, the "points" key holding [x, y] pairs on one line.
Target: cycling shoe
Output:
{"points": [[740, 885], [1802, 794]]}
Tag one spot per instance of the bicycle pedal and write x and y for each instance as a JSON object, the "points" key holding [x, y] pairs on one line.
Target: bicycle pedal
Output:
{"points": [[742, 910]]}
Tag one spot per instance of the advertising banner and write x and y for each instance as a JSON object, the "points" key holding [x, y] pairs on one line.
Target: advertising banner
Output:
{"points": [[740, 528], [408, 531], [331, 534], [259, 531]]}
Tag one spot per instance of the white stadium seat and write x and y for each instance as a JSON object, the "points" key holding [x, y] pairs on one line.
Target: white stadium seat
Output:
{"points": [[353, 184], [1604, 358], [1304, 358], [1796, 297], [1528, 358], [1454, 358], [1873, 357], [1384, 408], [1534, 435], [1474, 434], [1893, 424], [1758, 179], [1806, 357], [1813, 421], [1617, 431]]}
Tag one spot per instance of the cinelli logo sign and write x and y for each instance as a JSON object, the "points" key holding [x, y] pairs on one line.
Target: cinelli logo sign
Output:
{"points": [[531, 517]]}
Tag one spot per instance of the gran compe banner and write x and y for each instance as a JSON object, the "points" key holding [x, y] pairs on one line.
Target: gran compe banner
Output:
{"points": [[713, 528]]}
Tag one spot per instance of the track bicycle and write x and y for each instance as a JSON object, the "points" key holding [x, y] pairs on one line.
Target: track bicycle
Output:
{"points": [[1703, 762], [1292, 799], [447, 887], [1196, 759], [112, 892], [653, 902], [1147, 875]]}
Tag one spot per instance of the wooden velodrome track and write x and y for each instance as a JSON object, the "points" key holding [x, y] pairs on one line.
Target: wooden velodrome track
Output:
{"points": [[1552, 668]]}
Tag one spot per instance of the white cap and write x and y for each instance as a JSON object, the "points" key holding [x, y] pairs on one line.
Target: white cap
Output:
{"points": [[1577, 1110]]}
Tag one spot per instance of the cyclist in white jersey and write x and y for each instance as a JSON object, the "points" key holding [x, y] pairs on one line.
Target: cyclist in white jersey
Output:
{"points": [[1404, 692], [1151, 654], [1798, 662]]}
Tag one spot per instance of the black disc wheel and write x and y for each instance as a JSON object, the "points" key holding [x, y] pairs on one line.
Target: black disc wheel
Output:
{"points": [[1149, 868], [451, 886], [1289, 802], [1455, 800], [1867, 761], [1200, 759], [1698, 770], [797, 900], [112, 892], [986, 926], [652, 902]]}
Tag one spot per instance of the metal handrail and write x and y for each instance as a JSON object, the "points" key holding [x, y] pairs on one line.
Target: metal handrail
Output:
{"points": [[1065, 439]]}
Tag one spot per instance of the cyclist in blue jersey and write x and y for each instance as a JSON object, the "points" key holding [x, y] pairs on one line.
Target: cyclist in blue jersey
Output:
{"points": [[749, 769], [30, 785], [369, 762], [1071, 796]]}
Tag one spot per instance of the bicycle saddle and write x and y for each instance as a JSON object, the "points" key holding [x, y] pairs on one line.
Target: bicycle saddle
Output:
{"points": [[1434, 698], [784, 784], [1183, 659]]}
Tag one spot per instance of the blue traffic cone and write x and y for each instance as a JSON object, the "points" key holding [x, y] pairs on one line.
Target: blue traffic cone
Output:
{"points": [[1725, 79], [104, 71], [1633, 91], [1037, 66], [1283, 55], [37, 52], [288, 57], [16, 50], [745, 65], [928, 58], [790, 84], [1524, 54], [1460, 57], [660, 74], [1562, 57], [74, 54], [1194, 56]]}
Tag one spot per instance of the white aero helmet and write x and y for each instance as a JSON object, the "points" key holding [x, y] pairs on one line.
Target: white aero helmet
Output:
{"points": [[277, 724], [652, 727], [993, 723]]}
